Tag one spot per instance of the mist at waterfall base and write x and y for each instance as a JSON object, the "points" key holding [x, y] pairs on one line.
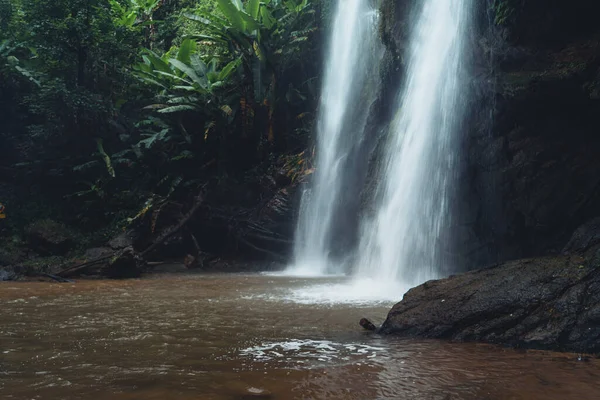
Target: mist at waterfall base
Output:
{"points": [[401, 242]]}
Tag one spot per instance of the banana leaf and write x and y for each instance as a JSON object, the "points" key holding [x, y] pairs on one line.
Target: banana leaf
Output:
{"points": [[188, 46], [178, 108], [232, 13], [253, 7], [189, 71]]}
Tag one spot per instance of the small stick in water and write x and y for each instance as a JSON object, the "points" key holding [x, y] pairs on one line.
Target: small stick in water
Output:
{"points": [[368, 325]]}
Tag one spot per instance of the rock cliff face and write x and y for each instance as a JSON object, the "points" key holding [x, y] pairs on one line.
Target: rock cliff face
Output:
{"points": [[531, 166], [531, 175]]}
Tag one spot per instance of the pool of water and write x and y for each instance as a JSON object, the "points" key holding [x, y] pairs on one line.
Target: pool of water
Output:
{"points": [[248, 337]]}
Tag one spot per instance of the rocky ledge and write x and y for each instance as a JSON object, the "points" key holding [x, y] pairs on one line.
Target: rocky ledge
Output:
{"points": [[543, 303]]}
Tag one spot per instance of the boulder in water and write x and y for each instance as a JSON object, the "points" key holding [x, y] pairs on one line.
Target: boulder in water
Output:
{"points": [[368, 325], [544, 303]]}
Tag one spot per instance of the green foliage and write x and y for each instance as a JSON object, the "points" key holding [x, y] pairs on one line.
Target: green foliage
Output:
{"points": [[186, 82], [109, 103], [133, 12], [504, 10], [124, 16], [265, 36], [11, 61], [8, 15]]}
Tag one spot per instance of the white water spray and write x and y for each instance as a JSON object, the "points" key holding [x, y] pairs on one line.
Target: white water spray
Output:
{"points": [[403, 241], [350, 88]]}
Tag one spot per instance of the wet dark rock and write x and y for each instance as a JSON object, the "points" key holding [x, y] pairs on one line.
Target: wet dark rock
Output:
{"points": [[366, 324], [121, 241], [585, 236], [528, 164], [530, 169], [47, 237], [7, 274], [96, 253], [189, 261], [125, 264], [545, 303], [544, 23]]}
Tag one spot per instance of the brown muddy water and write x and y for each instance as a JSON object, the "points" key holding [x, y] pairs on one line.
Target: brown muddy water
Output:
{"points": [[247, 337]]}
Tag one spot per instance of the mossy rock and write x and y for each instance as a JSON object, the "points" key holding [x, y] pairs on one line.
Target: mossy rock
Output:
{"points": [[48, 237]]}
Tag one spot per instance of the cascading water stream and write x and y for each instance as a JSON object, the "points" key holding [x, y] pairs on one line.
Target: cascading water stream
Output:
{"points": [[404, 240], [350, 87]]}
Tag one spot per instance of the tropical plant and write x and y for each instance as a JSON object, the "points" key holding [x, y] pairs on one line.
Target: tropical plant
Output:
{"points": [[134, 12], [187, 82], [11, 63], [264, 35], [137, 14], [110, 102]]}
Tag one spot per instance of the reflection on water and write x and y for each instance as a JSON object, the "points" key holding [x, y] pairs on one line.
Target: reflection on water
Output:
{"points": [[246, 337]]}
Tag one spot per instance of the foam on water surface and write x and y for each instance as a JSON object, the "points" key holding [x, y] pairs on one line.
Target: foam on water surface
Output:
{"points": [[335, 289], [355, 291], [299, 351]]}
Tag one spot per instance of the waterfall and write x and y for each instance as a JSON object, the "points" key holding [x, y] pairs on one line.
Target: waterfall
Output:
{"points": [[404, 240], [350, 87]]}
